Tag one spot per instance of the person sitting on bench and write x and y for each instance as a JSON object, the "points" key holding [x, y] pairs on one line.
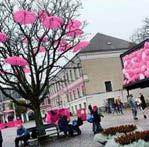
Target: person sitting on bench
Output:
{"points": [[22, 135], [64, 126]]}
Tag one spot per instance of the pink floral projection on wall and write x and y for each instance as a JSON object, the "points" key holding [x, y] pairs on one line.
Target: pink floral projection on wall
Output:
{"points": [[136, 65]]}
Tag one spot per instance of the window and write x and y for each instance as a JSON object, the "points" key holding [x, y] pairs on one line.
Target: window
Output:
{"points": [[71, 78], [49, 101], [80, 106], [70, 96], [76, 108], [108, 86], [85, 105], [74, 94], [72, 109], [78, 92], [67, 95]]}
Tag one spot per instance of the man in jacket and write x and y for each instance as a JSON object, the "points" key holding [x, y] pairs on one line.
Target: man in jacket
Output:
{"points": [[133, 106], [22, 134]]}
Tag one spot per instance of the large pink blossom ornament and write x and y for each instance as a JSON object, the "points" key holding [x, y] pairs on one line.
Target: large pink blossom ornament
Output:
{"points": [[63, 46], [52, 22], [3, 37], [42, 15], [26, 70], [75, 33], [80, 46], [16, 60], [74, 24], [24, 17]]}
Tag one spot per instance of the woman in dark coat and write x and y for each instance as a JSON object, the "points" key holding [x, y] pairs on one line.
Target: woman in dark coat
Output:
{"points": [[1, 139], [143, 103], [96, 119]]}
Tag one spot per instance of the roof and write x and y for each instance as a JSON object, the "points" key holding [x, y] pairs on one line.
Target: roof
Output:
{"points": [[102, 43]]}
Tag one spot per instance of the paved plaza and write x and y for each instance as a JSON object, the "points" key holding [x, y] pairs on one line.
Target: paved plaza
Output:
{"points": [[86, 139]]}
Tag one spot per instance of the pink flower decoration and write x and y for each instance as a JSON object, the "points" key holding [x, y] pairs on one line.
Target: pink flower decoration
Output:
{"points": [[52, 22], [16, 60], [75, 33], [63, 46], [3, 37], [146, 45], [41, 49], [42, 15], [24, 17], [74, 24], [80, 46], [26, 70]]}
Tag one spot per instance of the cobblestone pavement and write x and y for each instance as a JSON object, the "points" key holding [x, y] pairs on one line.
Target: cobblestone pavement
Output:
{"points": [[86, 139]]}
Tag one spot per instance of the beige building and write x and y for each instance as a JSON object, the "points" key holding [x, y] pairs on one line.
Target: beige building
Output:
{"points": [[92, 76]]}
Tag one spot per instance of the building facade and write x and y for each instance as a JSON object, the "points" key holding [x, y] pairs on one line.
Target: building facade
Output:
{"points": [[93, 76]]}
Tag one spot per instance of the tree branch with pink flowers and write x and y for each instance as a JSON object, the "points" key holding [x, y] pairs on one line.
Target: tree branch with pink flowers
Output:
{"points": [[35, 35]]}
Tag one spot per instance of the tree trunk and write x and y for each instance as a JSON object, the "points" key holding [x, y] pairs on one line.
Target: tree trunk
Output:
{"points": [[38, 121]]}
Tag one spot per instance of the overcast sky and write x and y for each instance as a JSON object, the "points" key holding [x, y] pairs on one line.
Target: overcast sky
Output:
{"points": [[119, 18]]}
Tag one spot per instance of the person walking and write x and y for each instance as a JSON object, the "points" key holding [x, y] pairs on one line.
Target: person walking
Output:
{"points": [[96, 119], [133, 106], [143, 104], [1, 139]]}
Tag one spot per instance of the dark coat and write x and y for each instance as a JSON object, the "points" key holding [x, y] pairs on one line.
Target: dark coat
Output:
{"points": [[1, 138], [143, 103]]}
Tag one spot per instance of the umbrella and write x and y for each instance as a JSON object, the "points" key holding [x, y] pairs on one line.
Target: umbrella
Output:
{"points": [[52, 22], [80, 46], [3, 37], [26, 70], [24, 17], [16, 60], [74, 24], [75, 33]]}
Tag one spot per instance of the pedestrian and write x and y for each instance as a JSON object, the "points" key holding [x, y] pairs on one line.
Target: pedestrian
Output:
{"points": [[96, 119], [143, 104], [1, 139], [133, 106], [22, 135]]}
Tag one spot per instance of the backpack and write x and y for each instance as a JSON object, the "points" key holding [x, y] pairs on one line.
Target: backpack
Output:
{"points": [[90, 118]]}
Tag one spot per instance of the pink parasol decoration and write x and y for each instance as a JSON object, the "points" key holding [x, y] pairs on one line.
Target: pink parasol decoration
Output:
{"points": [[63, 45], [74, 24], [42, 15], [146, 45], [52, 22], [41, 49], [16, 60], [80, 46], [24, 17], [3, 37], [75, 33], [26, 70]]}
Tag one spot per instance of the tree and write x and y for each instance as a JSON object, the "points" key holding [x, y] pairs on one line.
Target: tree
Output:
{"points": [[142, 33], [35, 36], [20, 109]]}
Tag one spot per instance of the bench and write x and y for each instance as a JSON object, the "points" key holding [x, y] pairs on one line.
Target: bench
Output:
{"points": [[51, 129]]}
